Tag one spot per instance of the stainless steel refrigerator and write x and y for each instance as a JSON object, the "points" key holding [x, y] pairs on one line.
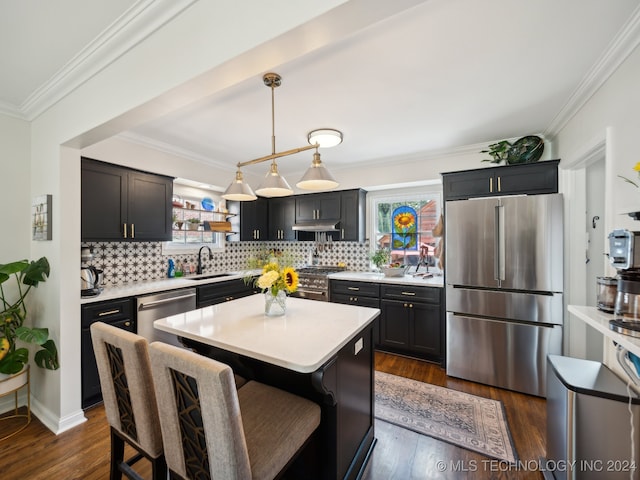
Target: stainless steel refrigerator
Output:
{"points": [[504, 283]]}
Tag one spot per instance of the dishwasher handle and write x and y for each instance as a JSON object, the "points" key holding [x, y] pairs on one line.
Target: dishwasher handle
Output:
{"points": [[155, 303]]}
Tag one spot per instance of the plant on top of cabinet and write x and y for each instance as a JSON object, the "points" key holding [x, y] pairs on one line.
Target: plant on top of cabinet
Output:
{"points": [[498, 151], [14, 312]]}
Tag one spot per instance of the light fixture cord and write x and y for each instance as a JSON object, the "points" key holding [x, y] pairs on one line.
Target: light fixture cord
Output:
{"points": [[273, 121]]}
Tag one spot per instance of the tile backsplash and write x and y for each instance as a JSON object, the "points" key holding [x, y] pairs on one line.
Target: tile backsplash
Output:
{"points": [[124, 262]]}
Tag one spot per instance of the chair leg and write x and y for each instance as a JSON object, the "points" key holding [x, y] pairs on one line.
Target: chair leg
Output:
{"points": [[117, 456], [159, 468]]}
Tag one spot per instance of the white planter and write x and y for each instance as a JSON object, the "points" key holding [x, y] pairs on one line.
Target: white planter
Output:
{"points": [[10, 383]]}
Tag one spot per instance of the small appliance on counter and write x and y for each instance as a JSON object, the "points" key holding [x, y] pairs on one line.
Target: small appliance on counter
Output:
{"points": [[606, 293], [90, 277], [624, 254]]}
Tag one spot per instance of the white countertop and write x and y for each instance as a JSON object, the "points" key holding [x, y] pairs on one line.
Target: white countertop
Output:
{"points": [[143, 288], [374, 277], [600, 321], [306, 337]]}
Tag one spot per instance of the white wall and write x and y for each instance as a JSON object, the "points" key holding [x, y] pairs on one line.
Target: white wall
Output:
{"points": [[15, 199], [612, 113]]}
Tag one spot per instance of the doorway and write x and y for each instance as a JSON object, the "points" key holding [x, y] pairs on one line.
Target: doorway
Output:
{"points": [[596, 247]]}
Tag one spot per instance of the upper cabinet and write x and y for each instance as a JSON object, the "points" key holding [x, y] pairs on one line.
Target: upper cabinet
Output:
{"points": [[318, 206], [282, 216], [121, 204], [252, 221], [527, 178], [352, 215]]}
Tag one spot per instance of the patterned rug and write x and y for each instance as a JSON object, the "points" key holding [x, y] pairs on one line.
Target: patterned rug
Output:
{"points": [[468, 421]]}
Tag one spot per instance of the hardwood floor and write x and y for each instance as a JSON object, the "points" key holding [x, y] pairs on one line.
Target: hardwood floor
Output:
{"points": [[83, 452]]}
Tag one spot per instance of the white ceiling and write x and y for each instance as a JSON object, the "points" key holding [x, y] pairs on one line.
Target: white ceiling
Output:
{"points": [[441, 75]]}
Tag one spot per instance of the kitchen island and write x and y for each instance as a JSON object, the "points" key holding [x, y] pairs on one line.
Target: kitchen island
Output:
{"points": [[321, 351]]}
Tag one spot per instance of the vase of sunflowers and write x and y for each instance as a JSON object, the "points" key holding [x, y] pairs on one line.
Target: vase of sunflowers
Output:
{"points": [[277, 282]]}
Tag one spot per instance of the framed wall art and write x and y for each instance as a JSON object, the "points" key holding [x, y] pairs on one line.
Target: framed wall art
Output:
{"points": [[41, 217]]}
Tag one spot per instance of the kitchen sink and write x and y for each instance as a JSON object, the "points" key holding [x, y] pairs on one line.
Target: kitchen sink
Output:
{"points": [[207, 277]]}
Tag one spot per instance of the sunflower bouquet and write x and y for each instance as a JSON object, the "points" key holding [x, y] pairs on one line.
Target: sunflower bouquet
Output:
{"points": [[277, 273], [275, 278]]}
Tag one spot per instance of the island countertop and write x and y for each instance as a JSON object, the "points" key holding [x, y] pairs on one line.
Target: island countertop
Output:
{"points": [[302, 340]]}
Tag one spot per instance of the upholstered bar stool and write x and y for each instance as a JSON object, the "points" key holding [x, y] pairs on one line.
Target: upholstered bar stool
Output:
{"points": [[129, 399], [211, 430]]}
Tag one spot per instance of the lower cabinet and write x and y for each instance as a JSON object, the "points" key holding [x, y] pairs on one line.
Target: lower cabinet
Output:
{"points": [[118, 313], [411, 321], [222, 292]]}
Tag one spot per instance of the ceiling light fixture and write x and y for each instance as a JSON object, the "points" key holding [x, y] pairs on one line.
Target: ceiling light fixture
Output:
{"points": [[325, 137], [274, 185]]}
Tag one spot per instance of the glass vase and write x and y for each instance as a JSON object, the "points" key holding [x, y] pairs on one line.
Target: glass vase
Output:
{"points": [[275, 305]]}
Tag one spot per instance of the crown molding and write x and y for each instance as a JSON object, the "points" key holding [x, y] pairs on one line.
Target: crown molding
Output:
{"points": [[174, 151], [619, 50], [142, 19]]}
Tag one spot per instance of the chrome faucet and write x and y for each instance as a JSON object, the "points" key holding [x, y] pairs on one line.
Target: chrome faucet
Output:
{"points": [[199, 270]]}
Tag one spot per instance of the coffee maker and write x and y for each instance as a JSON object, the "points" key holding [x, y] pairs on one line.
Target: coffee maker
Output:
{"points": [[624, 255]]}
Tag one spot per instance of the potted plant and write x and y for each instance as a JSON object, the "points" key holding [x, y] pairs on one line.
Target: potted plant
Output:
{"points": [[13, 358], [193, 223], [382, 256], [498, 151]]}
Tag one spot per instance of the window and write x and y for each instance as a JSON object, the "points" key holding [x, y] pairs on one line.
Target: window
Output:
{"points": [[404, 221], [194, 226]]}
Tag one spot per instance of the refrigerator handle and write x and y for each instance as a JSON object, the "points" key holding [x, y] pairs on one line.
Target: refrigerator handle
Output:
{"points": [[499, 246]]}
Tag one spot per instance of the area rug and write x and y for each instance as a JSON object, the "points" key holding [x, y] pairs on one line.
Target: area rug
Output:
{"points": [[468, 421]]}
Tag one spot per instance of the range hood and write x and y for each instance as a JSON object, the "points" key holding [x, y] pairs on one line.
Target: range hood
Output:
{"points": [[316, 226]]}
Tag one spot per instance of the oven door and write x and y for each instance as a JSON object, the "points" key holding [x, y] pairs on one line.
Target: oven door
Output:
{"points": [[311, 294]]}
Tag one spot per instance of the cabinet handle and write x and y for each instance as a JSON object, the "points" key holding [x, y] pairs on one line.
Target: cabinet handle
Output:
{"points": [[411, 305], [499, 185], [108, 312], [125, 230], [133, 231], [490, 184], [127, 324], [411, 294], [342, 234], [355, 289]]}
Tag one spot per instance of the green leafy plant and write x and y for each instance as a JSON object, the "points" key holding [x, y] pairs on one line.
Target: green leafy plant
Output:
{"points": [[13, 314], [498, 151], [381, 257]]}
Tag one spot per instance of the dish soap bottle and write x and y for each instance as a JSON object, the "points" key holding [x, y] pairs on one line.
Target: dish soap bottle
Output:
{"points": [[171, 272]]}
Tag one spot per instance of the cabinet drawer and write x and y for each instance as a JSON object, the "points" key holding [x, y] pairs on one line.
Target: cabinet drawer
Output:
{"points": [[355, 299], [108, 312], [361, 289], [411, 292], [222, 292]]}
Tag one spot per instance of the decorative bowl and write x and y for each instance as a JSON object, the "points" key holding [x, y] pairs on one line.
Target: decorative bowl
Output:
{"points": [[393, 271]]}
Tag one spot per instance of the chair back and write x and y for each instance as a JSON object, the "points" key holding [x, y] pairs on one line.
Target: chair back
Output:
{"points": [[199, 415], [127, 385]]}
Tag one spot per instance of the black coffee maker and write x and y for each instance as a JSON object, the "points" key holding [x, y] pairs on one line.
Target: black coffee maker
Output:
{"points": [[624, 255]]}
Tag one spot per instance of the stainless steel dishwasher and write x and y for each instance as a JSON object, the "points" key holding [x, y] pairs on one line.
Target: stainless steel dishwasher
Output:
{"points": [[153, 307]]}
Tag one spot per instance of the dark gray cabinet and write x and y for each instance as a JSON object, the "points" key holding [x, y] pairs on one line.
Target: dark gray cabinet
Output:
{"points": [[118, 313], [352, 215], [121, 204], [220, 292], [282, 216], [252, 220], [520, 179], [411, 320], [318, 206]]}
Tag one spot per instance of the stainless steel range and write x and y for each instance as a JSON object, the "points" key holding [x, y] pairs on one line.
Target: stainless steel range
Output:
{"points": [[313, 282]]}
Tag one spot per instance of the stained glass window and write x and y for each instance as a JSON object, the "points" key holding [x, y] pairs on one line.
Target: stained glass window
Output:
{"points": [[404, 224]]}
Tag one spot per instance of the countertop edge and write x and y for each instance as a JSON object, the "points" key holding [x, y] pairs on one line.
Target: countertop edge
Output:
{"points": [[373, 277], [600, 321]]}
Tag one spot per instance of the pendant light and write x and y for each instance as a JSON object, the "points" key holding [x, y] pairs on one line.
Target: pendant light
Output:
{"points": [[274, 185]]}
